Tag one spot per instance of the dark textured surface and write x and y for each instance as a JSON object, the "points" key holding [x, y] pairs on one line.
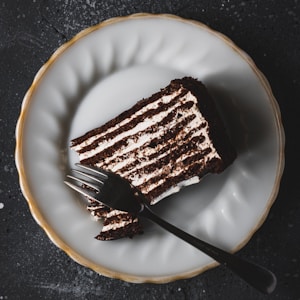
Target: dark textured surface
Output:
{"points": [[31, 267]]}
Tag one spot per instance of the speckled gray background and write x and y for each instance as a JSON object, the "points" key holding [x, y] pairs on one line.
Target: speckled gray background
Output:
{"points": [[31, 267]]}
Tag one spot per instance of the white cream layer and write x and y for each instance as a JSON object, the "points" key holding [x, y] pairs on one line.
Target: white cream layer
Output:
{"points": [[153, 105], [133, 145], [145, 124], [115, 166], [114, 226], [176, 188]]}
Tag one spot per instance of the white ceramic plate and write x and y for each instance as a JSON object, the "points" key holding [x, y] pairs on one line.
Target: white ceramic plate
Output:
{"points": [[103, 71]]}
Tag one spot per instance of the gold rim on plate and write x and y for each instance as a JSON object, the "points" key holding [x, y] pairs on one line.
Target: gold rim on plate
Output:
{"points": [[38, 216]]}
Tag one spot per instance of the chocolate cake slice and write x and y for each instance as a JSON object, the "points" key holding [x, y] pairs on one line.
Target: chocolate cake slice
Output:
{"points": [[167, 141]]}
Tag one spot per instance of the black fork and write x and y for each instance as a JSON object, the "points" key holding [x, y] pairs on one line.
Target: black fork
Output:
{"points": [[114, 191]]}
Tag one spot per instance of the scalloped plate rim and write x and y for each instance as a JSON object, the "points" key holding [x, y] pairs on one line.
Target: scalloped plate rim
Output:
{"points": [[31, 202]]}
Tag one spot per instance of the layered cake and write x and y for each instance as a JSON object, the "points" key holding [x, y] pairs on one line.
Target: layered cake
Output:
{"points": [[161, 144]]}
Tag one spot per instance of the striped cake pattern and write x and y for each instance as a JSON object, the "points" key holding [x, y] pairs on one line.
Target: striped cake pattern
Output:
{"points": [[169, 140]]}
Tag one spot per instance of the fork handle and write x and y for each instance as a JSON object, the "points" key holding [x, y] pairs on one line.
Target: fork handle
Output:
{"points": [[255, 275]]}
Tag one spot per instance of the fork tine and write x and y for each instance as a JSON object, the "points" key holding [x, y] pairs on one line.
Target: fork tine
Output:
{"points": [[82, 191], [84, 174], [87, 183], [102, 173]]}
